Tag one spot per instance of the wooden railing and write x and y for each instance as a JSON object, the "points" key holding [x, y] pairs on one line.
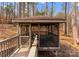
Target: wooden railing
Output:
{"points": [[8, 46], [33, 50]]}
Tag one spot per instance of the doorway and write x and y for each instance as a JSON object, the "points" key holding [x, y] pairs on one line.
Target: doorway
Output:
{"points": [[25, 35]]}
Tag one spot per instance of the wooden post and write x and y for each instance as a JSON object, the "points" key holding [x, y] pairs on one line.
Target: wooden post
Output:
{"points": [[39, 34], [19, 33], [29, 35], [51, 27], [65, 28]]}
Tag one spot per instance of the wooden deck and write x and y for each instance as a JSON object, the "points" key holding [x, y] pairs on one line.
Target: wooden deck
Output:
{"points": [[23, 52]]}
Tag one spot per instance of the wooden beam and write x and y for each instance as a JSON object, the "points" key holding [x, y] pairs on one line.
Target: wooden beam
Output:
{"points": [[38, 21]]}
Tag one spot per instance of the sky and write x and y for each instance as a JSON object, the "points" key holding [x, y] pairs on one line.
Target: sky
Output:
{"points": [[58, 6], [41, 5]]}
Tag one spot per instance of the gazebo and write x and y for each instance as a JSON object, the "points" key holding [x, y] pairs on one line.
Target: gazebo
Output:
{"points": [[45, 27]]}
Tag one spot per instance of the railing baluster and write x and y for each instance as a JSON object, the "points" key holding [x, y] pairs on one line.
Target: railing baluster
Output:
{"points": [[8, 46], [0, 50], [17, 42], [11, 48], [13, 45], [4, 49]]}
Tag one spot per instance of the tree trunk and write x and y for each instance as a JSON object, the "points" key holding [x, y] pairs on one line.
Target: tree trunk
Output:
{"points": [[74, 23], [67, 19], [65, 9], [33, 7], [27, 9], [20, 6], [69, 29], [64, 25], [46, 11], [23, 9], [52, 9]]}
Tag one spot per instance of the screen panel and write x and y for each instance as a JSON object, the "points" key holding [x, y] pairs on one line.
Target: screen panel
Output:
{"points": [[49, 38]]}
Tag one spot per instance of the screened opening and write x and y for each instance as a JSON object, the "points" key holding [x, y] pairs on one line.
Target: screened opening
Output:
{"points": [[25, 35], [49, 35]]}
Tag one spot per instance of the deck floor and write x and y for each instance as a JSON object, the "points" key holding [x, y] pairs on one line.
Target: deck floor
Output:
{"points": [[23, 52]]}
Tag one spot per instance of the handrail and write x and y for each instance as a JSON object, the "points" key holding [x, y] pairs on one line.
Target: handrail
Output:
{"points": [[9, 38], [33, 50], [9, 45]]}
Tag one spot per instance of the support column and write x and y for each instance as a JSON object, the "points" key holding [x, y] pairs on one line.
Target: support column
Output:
{"points": [[51, 27], [29, 35], [19, 33], [65, 28], [39, 34], [17, 25]]}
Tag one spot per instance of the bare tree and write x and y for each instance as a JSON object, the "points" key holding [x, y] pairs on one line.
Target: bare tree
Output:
{"points": [[20, 8], [64, 5], [68, 20], [74, 23], [27, 9], [46, 11], [33, 8]]}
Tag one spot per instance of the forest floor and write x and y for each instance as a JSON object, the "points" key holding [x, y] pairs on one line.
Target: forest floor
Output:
{"points": [[68, 48], [7, 31]]}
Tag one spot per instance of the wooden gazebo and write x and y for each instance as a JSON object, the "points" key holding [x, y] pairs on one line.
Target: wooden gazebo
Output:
{"points": [[45, 27]]}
